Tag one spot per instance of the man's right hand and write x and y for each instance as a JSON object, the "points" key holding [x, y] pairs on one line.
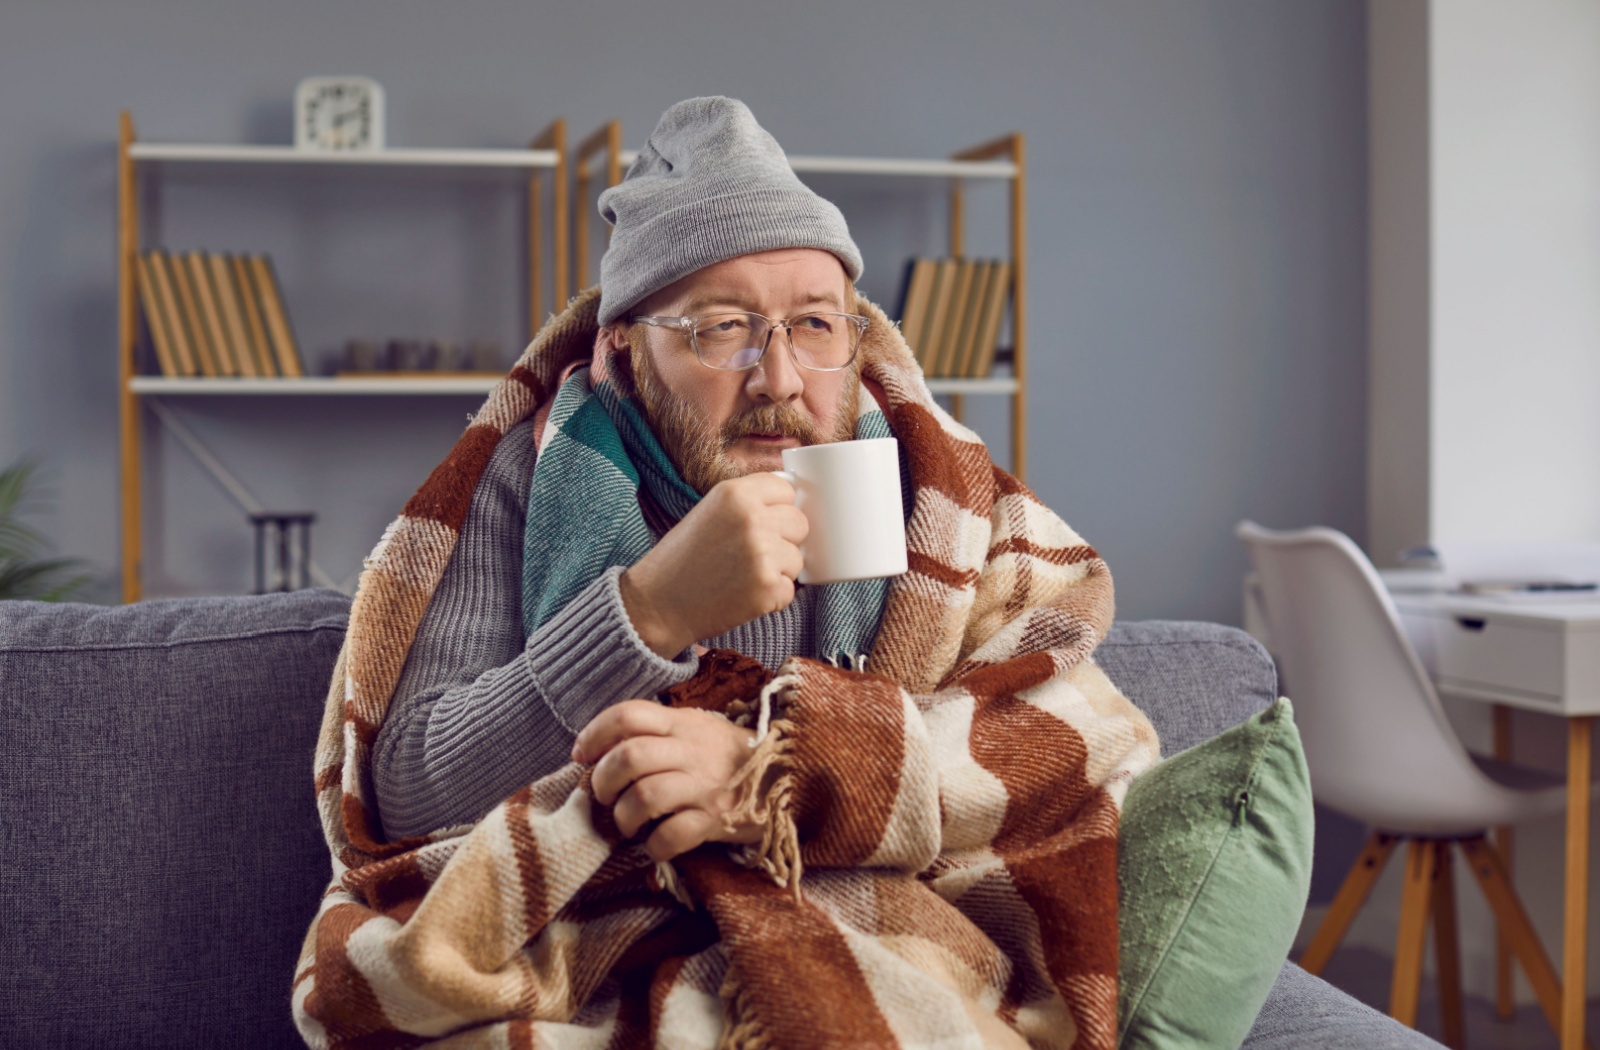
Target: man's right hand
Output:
{"points": [[733, 558]]}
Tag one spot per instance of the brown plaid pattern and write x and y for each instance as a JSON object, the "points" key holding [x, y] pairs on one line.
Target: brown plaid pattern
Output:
{"points": [[940, 861]]}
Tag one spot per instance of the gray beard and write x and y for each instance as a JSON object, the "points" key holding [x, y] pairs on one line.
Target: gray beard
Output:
{"points": [[700, 450]]}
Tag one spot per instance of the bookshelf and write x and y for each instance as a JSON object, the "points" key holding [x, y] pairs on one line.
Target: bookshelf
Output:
{"points": [[548, 154], [545, 156], [1001, 159]]}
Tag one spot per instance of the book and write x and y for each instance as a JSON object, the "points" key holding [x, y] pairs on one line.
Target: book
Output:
{"points": [[971, 319], [250, 305], [277, 320], [221, 272], [914, 303], [932, 345], [177, 325], [155, 319], [996, 298], [955, 317], [205, 298], [189, 311]]}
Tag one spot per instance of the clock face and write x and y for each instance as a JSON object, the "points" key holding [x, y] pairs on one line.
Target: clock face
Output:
{"points": [[339, 113]]}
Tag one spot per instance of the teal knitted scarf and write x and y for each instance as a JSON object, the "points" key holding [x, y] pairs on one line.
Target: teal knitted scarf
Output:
{"points": [[584, 514]]}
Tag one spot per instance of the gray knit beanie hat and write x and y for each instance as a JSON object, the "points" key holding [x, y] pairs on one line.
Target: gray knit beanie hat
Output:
{"points": [[711, 184]]}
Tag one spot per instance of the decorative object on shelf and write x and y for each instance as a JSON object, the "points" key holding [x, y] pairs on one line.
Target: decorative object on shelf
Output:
{"points": [[483, 355], [216, 315], [951, 311], [338, 114], [410, 358], [23, 573], [283, 539], [360, 356]]}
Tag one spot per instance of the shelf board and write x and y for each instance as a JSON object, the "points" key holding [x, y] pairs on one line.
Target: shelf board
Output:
{"points": [[988, 385], [164, 386], [424, 158], [966, 169]]}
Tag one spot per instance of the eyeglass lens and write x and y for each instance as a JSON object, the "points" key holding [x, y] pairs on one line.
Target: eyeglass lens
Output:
{"points": [[738, 340]]}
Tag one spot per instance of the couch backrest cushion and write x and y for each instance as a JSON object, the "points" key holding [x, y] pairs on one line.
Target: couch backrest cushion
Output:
{"points": [[161, 851], [1192, 679]]}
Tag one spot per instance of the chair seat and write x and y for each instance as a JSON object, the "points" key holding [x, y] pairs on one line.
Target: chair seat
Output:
{"points": [[1508, 794], [1517, 777]]}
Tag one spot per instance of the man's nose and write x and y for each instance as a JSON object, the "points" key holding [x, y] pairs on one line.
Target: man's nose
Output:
{"points": [[777, 377]]}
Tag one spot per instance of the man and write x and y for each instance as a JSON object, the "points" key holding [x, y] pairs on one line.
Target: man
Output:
{"points": [[484, 707], [606, 532]]}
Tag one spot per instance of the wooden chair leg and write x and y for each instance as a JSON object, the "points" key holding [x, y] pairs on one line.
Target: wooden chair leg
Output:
{"points": [[1446, 948], [1504, 990], [1575, 911], [1486, 867], [1411, 941], [1347, 902]]}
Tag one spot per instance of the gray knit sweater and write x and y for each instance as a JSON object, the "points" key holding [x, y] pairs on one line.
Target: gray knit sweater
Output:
{"points": [[482, 708]]}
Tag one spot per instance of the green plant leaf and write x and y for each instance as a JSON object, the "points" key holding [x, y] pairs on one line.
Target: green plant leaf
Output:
{"points": [[22, 573], [13, 484], [18, 540]]}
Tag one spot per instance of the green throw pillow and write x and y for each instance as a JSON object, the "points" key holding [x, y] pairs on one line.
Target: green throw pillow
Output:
{"points": [[1214, 865]]}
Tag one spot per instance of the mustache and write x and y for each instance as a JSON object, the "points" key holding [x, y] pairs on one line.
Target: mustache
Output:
{"points": [[781, 418]]}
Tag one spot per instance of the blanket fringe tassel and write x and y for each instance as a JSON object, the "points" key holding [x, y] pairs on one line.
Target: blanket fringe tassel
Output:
{"points": [[667, 879], [763, 790], [740, 1029]]}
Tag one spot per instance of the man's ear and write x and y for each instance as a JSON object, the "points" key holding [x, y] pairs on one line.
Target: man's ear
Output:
{"points": [[610, 337]]}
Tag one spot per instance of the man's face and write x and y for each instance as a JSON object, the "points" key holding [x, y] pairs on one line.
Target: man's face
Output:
{"points": [[721, 424]]}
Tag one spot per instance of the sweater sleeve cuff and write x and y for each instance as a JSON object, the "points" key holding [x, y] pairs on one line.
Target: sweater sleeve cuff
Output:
{"points": [[588, 656]]}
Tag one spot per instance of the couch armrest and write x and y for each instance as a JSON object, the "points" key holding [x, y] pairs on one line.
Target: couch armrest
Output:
{"points": [[161, 850], [1192, 679]]}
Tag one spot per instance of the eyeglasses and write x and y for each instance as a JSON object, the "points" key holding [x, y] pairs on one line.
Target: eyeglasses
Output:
{"points": [[734, 342]]}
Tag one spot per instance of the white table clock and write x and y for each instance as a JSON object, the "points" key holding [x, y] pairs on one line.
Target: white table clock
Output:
{"points": [[338, 114]]}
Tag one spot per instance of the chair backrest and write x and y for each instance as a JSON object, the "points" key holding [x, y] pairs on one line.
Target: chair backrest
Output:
{"points": [[1377, 741]]}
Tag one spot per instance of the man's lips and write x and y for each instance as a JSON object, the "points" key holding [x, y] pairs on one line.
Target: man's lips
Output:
{"points": [[770, 439]]}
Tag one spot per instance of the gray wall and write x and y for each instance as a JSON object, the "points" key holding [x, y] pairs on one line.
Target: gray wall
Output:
{"points": [[1197, 238]]}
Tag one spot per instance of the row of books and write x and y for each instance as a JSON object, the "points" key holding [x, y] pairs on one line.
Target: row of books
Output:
{"points": [[213, 314], [951, 311]]}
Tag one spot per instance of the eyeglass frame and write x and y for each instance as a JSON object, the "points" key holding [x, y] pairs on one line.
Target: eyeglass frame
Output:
{"points": [[689, 324]]}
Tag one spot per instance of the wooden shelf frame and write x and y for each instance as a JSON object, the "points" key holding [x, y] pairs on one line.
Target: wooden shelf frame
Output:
{"points": [[1013, 148], [176, 152], [574, 173], [606, 138], [954, 168], [546, 155]]}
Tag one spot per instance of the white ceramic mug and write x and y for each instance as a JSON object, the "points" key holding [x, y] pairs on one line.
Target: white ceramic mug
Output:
{"points": [[849, 492]]}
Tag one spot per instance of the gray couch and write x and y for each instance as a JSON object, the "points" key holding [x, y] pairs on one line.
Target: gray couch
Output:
{"points": [[159, 852]]}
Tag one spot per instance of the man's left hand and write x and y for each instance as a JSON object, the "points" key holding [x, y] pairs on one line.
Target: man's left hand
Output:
{"points": [[653, 761]]}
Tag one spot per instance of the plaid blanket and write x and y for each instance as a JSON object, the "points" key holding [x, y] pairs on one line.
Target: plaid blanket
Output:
{"points": [[939, 862]]}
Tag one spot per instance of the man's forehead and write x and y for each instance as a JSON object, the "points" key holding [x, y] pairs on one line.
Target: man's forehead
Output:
{"points": [[791, 279], [751, 298]]}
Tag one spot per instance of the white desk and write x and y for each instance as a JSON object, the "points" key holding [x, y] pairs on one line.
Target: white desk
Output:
{"points": [[1538, 653]]}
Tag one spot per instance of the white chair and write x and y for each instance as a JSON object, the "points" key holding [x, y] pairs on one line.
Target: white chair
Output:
{"points": [[1381, 750]]}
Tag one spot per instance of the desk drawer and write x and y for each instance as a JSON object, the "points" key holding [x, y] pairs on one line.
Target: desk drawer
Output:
{"points": [[1490, 653]]}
